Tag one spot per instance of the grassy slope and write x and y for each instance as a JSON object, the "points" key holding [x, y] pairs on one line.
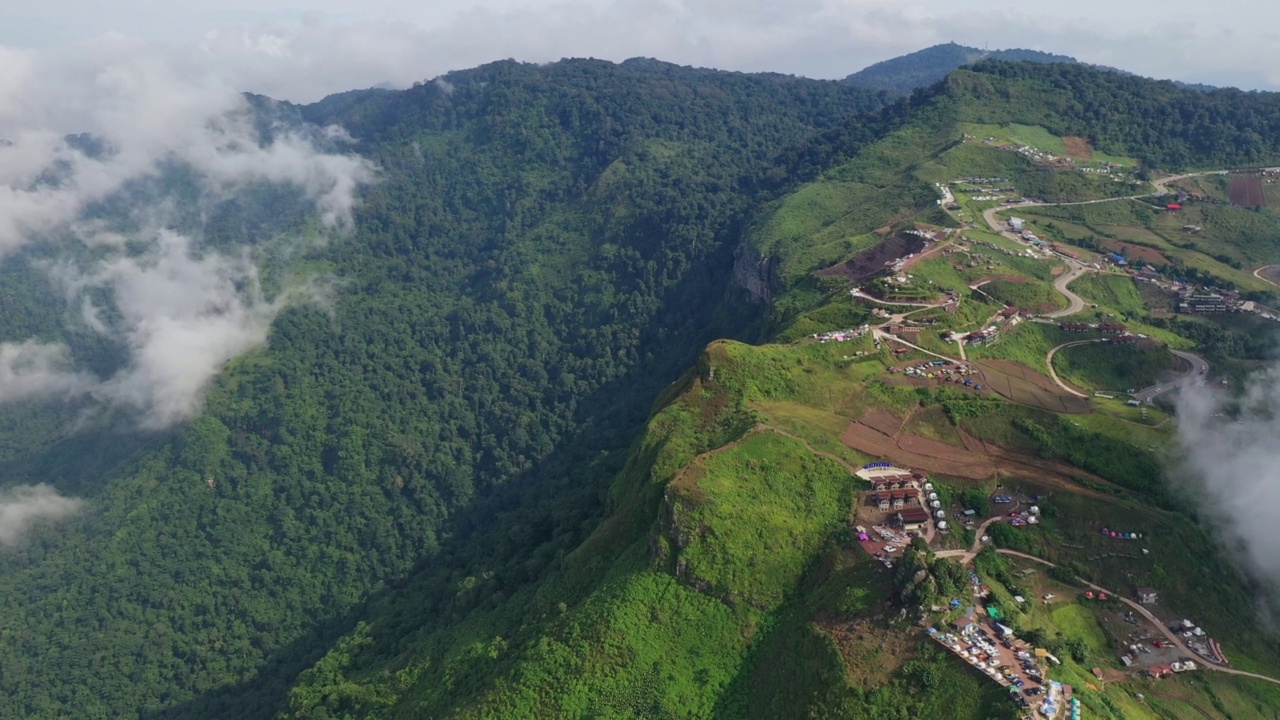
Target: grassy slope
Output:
{"points": [[1102, 366], [701, 582], [706, 592]]}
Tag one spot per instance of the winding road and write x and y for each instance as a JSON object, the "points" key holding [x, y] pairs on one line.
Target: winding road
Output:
{"points": [[1258, 274], [1075, 268], [1172, 636], [1053, 374], [1199, 370], [1074, 302], [965, 556]]}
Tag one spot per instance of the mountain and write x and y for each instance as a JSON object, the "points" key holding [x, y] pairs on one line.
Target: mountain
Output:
{"points": [[552, 437], [925, 67], [725, 582], [544, 248]]}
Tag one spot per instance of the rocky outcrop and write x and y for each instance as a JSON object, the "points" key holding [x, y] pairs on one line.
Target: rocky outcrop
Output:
{"points": [[757, 275]]}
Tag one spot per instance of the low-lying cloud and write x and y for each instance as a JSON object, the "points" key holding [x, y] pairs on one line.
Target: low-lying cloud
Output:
{"points": [[182, 317], [24, 506], [1231, 459], [114, 122], [34, 368]]}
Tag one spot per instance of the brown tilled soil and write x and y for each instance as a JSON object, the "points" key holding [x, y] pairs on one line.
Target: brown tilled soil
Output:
{"points": [[1140, 253], [882, 421], [916, 452], [871, 261], [1021, 384], [871, 441], [1246, 191], [1271, 273], [979, 461], [1078, 148]]}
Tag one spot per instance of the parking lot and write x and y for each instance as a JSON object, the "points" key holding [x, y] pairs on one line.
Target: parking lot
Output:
{"points": [[999, 659], [883, 543]]}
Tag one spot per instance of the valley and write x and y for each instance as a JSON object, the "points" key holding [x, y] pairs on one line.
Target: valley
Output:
{"points": [[635, 390]]}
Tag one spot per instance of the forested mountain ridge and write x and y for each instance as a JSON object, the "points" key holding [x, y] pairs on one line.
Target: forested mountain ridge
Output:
{"points": [[544, 248], [926, 67], [713, 588], [427, 496]]}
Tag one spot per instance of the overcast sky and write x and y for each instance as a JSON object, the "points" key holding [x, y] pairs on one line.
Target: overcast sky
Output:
{"points": [[301, 51]]}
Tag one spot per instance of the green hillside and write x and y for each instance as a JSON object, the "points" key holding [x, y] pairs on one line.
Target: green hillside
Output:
{"points": [[544, 250], [724, 582], [511, 466]]}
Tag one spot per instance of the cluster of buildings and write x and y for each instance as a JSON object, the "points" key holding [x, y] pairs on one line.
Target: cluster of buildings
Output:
{"points": [[1202, 302], [903, 491], [986, 336], [841, 335]]}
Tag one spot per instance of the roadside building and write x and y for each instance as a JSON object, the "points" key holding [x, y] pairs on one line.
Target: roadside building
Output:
{"points": [[1109, 328], [1147, 595], [1204, 304], [912, 518]]}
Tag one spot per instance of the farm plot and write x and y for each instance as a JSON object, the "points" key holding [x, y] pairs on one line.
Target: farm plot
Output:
{"points": [[1246, 191], [1023, 385]]}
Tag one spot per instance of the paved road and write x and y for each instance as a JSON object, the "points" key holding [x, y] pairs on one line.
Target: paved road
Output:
{"points": [[1199, 370], [1172, 636], [1258, 274], [1075, 268], [1048, 361], [1074, 302]]}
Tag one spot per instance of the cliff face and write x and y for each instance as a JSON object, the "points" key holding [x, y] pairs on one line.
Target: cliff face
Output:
{"points": [[757, 275]]}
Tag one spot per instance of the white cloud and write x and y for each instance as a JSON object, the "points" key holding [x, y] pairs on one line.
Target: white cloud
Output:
{"points": [[24, 506], [182, 316], [32, 368], [1234, 465], [182, 313]]}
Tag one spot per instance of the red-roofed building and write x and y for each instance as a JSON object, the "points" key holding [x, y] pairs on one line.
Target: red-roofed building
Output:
{"points": [[1107, 328], [913, 518], [1173, 207], [1160, 671]]}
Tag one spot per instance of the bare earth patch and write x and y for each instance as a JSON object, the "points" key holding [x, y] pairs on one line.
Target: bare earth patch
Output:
{"points": [[1023, 385], [872, 650], [1078, 148], [1139, 253], [882, 421]]}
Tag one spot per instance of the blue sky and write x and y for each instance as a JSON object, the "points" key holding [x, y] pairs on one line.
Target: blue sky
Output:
{"points": [[302, 51]]}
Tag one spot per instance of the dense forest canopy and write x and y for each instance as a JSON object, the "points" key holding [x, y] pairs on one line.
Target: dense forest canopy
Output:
{"points": [[543, 250], [925, 67]]}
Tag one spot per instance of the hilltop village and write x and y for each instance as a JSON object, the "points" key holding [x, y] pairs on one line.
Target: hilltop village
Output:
{"points": [[946, 314]]}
